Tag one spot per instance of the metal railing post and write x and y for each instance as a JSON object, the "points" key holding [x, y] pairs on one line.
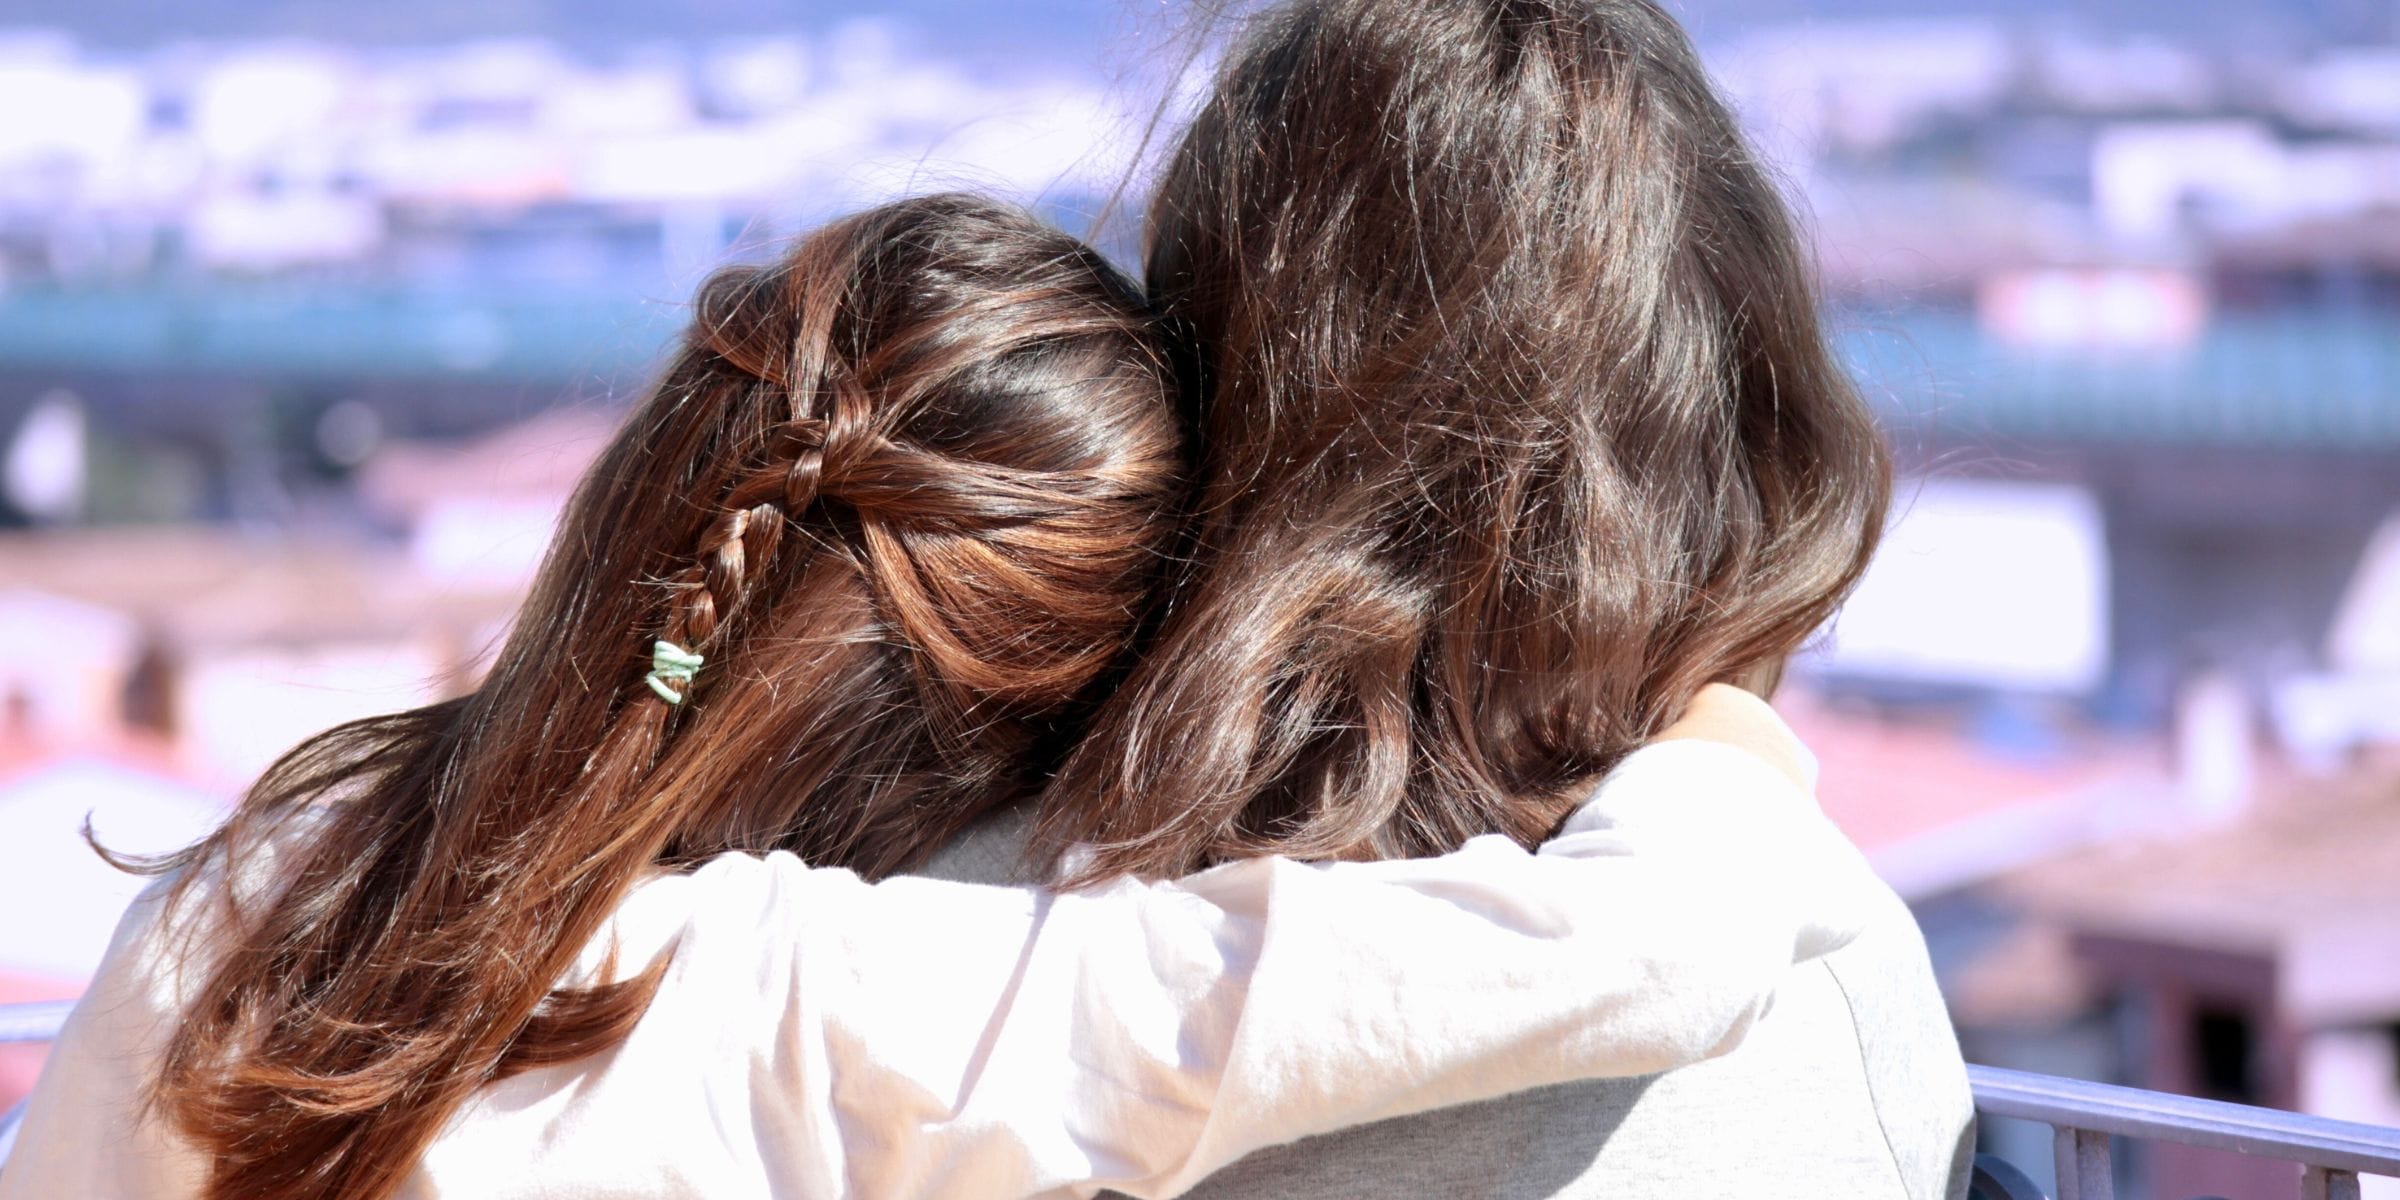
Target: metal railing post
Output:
{"points": [[2327, 1183], [2083, 1167]]}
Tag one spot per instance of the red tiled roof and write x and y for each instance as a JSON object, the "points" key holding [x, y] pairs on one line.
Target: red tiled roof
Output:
{"points": [[1887, 781], [21, 755], [202, 585]]}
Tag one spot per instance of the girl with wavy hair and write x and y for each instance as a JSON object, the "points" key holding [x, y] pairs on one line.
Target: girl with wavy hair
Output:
{"points": [[845, 583], [1515, 426]]}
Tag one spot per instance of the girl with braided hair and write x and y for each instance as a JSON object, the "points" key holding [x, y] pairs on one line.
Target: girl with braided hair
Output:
{"points": [[610, 925]]}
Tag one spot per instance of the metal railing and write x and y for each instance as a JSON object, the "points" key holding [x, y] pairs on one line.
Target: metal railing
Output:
{"points": [[32, 1022], [2331, 1154], [2083, 1116]]}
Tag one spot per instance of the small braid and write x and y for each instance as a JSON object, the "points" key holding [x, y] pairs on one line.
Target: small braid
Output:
{"points": [[739, 546], [794, 474], [805, 461]]}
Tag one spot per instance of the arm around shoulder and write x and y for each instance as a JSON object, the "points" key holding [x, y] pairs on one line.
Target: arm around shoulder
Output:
{"points": [[943, 1039]]}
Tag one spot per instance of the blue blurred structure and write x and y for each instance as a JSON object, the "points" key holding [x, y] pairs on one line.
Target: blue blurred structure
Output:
{"points": [[556, 338]]}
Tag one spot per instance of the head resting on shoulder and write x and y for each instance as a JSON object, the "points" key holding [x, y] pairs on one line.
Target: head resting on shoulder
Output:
{"points": [[840, 584]]}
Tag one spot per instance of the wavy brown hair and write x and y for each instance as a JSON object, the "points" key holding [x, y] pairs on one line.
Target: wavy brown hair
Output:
{"points": [[905, 491], [1516, 425]]}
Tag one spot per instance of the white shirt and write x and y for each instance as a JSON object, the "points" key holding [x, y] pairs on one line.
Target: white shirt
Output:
{"points": [[818, 1036]]}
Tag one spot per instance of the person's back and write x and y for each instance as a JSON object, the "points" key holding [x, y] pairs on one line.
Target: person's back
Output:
{"points": [[1851, 1087]]}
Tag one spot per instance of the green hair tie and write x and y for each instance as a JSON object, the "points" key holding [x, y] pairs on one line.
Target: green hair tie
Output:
{"points": [[670, 661]]}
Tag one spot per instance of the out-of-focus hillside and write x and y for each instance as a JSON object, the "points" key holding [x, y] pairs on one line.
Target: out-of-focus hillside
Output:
{"points": [[1065, 26]]}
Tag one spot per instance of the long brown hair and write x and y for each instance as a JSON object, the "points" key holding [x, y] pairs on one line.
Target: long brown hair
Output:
{"points": [[904, 492], [1515, 426]]}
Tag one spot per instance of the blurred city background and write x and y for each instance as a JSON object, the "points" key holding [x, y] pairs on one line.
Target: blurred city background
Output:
{"points": [[312, 311]]}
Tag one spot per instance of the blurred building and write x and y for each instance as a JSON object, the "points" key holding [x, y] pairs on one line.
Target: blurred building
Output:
{"points": [[155, 671], [225, 650], [2247, 958]]}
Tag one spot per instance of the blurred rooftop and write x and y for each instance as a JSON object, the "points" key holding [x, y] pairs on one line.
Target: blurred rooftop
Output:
{"points": [[2305, 877]]}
